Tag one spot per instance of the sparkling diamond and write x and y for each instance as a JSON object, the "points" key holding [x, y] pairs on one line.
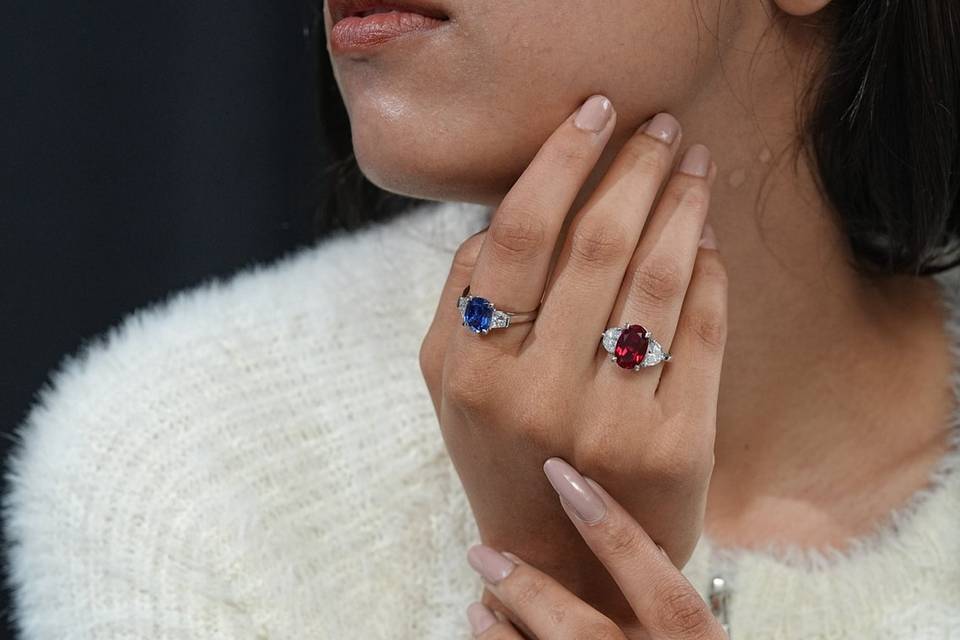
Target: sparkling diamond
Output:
{"points": [[655, 354], [610, 337], [478, 314], [631, 346]]}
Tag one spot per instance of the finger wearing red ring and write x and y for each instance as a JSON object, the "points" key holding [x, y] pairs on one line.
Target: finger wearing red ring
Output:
{"points": [[659, 272], [514, 261]]}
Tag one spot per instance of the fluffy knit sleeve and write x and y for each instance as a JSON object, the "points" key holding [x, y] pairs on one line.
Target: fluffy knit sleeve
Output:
{"points": [[111, 512], [216, 465]]}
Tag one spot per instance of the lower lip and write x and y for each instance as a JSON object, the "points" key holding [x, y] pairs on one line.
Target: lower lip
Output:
{"points": [[361, 34]]}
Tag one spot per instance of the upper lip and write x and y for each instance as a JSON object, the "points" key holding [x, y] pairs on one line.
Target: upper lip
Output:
{"points": [[340, 9]]}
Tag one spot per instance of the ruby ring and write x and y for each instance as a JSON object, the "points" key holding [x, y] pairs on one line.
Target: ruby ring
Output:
{"points": [[480, 316], [632, 347]]}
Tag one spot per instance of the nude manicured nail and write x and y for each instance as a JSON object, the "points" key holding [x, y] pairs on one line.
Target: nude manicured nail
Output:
{"points": [[489, 563], [696, 161], [663, 127], [594, 114], [480, 617], [572, 487], [708, 238]]}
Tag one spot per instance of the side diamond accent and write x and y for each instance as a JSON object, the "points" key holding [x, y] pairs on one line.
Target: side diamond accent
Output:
{"points": [[500, 320], [654, 354]]}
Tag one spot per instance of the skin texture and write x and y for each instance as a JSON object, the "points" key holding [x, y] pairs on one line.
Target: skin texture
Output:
{"points": [[812, 373]]}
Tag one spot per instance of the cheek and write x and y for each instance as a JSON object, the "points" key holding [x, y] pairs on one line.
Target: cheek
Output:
{"points": [[460, 117]]}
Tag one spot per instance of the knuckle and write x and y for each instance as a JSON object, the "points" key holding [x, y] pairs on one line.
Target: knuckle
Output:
{"points": [[670, 461], [527, 590], [571, 157], [709, 266], [689, 193], [708, 325], [593, 450], [518, 235], [601, 245], [682, 612], [681, 470], [647, 156], [622, 540], [468, 388], [660, 280], [465, 257], [430, 359]]}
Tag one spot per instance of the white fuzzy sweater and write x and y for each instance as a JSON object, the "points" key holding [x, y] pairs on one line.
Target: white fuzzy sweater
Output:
{"points": [[258, 458]]}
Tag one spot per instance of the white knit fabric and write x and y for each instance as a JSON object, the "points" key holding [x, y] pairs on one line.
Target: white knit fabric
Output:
{"points": [[258, 458]]}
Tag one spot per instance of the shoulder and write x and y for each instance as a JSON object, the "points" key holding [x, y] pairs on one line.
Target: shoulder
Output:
{"points": [[183, 450]]}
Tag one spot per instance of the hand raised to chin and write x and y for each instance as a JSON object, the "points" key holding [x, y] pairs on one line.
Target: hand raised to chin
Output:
{"points": [[509, 398]]}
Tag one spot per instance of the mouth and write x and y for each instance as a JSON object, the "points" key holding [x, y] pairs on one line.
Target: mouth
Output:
{"points": [[340, 9]]}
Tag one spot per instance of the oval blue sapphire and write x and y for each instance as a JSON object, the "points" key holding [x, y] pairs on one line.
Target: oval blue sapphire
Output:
{"points": [[478, 315]]}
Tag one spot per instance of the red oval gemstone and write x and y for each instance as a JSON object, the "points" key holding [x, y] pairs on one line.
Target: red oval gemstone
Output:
{"points": [[631, 347]]}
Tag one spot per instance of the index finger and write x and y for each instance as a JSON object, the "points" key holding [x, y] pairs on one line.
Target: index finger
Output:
{"points": [[662, 598], [512, 267]]}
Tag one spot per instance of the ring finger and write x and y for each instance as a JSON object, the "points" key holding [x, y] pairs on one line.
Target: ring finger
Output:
{"points": [[659, 272]]}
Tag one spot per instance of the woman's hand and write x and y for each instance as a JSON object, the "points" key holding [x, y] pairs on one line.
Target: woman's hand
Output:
{"points": [[516, 396], [665, 604]]}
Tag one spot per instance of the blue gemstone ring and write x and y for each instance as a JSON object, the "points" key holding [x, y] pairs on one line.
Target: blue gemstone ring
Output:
{"points": [[480, 316]]}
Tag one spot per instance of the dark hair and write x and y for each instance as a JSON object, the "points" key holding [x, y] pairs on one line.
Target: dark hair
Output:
{"points": [[883, 130], [881, 125]]}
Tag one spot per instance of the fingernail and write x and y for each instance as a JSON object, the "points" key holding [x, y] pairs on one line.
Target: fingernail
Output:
{"points": [[572, 487], [480, 617], [594, 114], [696, 161], [663, 127], [708, 239], [489, 563], [512, 556]]}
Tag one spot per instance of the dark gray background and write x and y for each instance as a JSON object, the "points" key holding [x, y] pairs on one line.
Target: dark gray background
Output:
{"points": [[145, 147]]}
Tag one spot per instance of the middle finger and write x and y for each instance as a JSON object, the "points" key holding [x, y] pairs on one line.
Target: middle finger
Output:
{"points": [[659, 272]]}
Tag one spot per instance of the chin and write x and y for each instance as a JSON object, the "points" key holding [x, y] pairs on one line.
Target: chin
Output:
{"points": [[455, 161]]}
